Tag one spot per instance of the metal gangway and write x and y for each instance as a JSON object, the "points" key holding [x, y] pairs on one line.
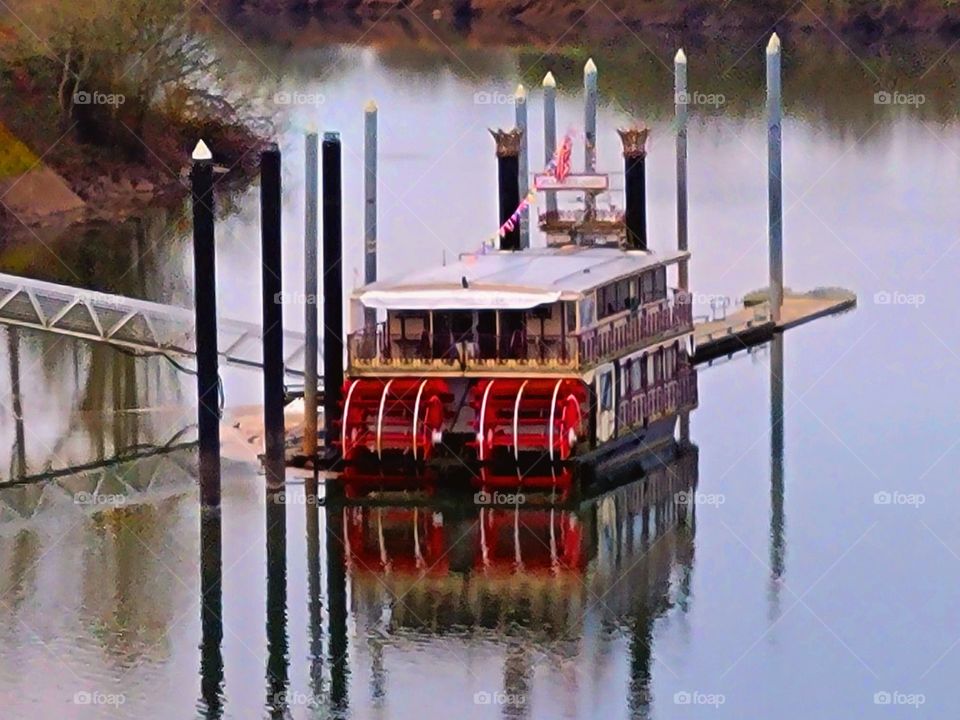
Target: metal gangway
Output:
{"points": [[138, 326]]}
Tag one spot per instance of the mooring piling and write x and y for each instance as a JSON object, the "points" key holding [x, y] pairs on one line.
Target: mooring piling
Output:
{"points": [[681, 101], [520, 106], [370, 205], [590, 128], [550, 132], [271, 257], [310, 250], [205, 309], [508, 182], [775, 175], [330, 161], [635, 185]]}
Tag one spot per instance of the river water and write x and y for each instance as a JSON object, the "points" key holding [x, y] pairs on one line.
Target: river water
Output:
{"points": [[812, 579]]}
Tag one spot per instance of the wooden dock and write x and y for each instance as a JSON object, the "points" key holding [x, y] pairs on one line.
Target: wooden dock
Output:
{"points": [[752, 325]]}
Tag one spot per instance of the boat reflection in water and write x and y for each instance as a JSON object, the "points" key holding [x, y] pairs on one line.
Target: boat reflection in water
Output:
{"points": [[536, 572]]}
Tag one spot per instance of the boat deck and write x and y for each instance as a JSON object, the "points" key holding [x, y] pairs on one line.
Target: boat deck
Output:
{"points": [[752, 325]]}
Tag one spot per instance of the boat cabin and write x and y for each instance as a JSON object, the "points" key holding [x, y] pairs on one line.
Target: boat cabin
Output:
{"points": [[552, 309]]}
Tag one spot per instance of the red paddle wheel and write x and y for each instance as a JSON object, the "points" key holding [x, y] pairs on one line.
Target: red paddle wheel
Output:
{"points": [[539, 414], [393, 414]]}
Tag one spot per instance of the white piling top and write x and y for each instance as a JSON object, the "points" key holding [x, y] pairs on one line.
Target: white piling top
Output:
{"points": [[680, 57], [202, 152], [548, 80], [774, 45], [521, 92], [590, 68], [371, 106]]}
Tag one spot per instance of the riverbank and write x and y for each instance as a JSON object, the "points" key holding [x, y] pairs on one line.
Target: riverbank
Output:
{"points": [[546, 22]]}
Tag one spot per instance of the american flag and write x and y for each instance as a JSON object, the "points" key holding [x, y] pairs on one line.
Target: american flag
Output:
{"points": [[562, 160]]}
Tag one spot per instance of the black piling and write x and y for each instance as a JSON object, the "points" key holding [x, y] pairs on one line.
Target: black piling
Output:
{"points": [[330, 165], [205, 307], [508, 182], [635, 186], [271, 257]]}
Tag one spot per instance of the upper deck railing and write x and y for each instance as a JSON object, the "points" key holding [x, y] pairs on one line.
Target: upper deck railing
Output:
{"points": [[378, 350]]}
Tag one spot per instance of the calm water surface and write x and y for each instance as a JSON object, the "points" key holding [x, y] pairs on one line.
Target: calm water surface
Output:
{"points": [[813, 580]]}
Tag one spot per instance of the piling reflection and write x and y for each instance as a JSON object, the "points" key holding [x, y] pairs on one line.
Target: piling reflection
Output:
{"points": [[211, 615], [278, 659], [528, 569], [777, 519]]}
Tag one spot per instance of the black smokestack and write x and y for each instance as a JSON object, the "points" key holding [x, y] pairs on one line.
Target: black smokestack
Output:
{"points": [[635, 186], [508, 182], [332, 217]]}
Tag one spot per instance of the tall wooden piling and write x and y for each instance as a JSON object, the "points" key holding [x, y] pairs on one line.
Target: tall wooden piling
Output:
{"points": [[590, 129], [310, 250], [205, 310], [681, 101], [520, 105], [508, 182], [370, 206], [271, 256], [635, 185], [330, 162], [550, 132], [775, 176]]}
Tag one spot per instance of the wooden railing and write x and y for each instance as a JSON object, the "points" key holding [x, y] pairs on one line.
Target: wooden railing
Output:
{"points": [[664, 398], [631, 330]]}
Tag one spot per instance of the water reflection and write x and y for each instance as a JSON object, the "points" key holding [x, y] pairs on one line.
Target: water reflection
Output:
{"points": [[531, 576], [777, 519]]}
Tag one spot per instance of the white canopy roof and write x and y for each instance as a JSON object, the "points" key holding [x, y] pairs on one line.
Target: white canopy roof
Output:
{"points": [[507, 280]]}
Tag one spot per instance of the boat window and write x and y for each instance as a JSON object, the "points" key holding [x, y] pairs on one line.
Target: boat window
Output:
{"points": [[571, 310], [588, 311], [658, 366], [660, 288], [669, 362], [606, 391], [646, 284], [625, 377], [623, 294], [638, 376]]}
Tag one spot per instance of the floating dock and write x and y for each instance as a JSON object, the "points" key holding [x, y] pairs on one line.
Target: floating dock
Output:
{"points": [[753, 324]]}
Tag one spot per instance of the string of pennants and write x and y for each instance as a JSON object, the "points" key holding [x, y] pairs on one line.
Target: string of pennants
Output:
{"points": [[559, 167]]}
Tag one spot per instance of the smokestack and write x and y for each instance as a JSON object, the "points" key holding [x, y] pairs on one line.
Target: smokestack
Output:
{"points": [[508, 181], [635, 186], [330, 165]]}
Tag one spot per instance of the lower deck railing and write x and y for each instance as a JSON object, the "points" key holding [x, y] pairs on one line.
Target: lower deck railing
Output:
{"points": [[661, 399]]}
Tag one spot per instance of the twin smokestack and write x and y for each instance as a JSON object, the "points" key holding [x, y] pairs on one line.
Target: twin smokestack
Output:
{"points": [[634, 189]]}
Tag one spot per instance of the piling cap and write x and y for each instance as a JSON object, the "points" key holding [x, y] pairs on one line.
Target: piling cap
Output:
{"points": [[202, 152], [590, 68], [680, 57], [549, 81], [774, 45], [371, 106], [521, 91]]}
